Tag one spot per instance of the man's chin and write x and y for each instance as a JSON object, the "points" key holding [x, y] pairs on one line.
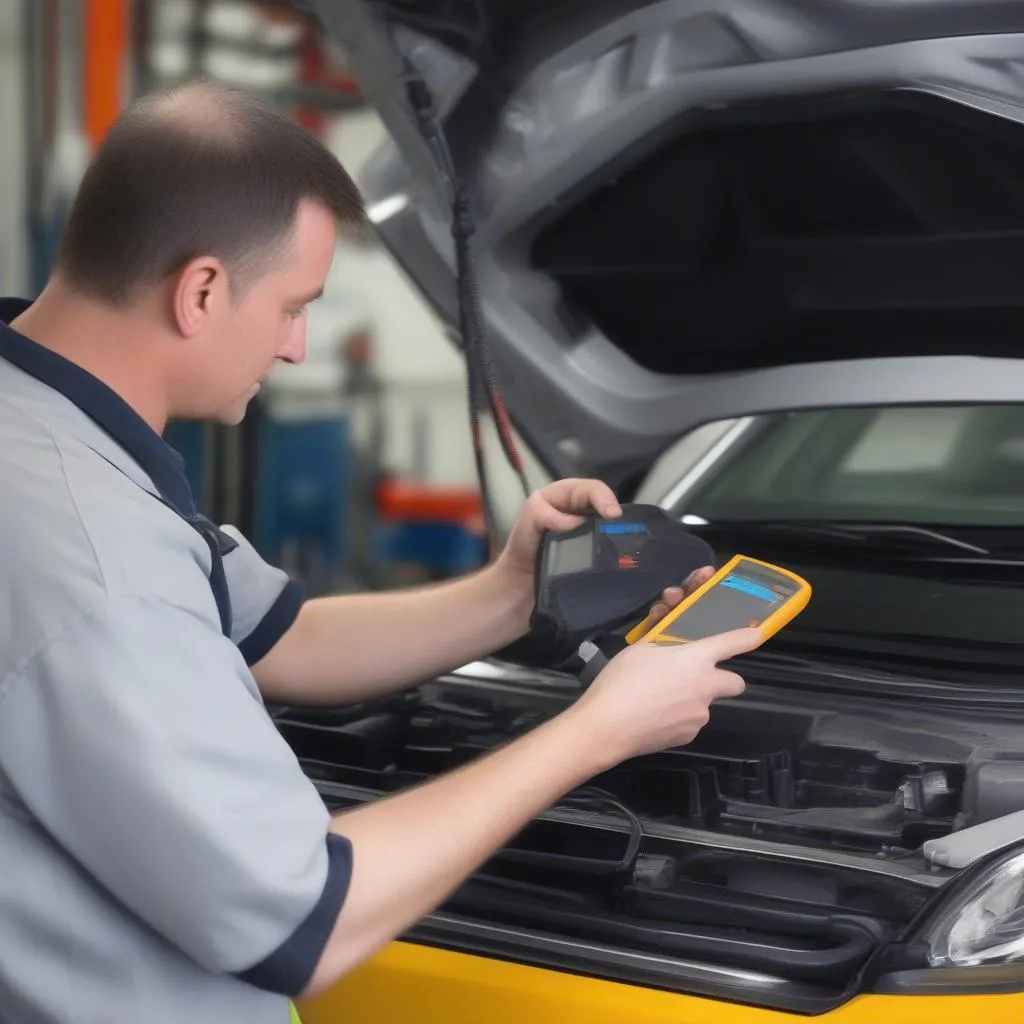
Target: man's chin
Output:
{"points": [[232, 417]]}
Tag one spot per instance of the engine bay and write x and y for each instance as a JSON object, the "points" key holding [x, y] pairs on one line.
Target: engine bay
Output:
{"points": [[828, 778], [783, 841]]}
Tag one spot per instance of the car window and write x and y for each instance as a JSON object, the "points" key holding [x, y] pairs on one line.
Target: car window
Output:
{"points": [[930, 464]]}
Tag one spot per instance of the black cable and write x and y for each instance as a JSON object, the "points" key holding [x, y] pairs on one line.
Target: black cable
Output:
{"points": [[484, 395], [590, 797], [475, 373]]}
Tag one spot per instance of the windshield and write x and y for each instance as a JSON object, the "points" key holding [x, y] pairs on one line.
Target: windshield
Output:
{"points": [[934, 464], [890, 600]]}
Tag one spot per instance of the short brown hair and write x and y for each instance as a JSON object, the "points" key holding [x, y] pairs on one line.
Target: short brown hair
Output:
{"points": [[198, 170]]}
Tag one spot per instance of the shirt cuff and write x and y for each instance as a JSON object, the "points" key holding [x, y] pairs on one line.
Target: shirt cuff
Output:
{"points": [[287, 971], [275, 623]]}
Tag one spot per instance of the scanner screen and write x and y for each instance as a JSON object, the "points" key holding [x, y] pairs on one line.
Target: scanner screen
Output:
{"points": [[574, 554], [746, 597]]}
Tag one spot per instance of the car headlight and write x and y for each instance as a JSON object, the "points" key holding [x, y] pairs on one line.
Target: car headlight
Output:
{"points": [[984, 924]]}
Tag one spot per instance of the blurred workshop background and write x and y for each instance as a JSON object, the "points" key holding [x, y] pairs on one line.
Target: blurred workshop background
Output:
{"points": [[354, 470]]}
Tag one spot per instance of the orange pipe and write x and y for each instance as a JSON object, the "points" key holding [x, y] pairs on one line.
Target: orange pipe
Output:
{"points": [[398, 501], [106, 46]]}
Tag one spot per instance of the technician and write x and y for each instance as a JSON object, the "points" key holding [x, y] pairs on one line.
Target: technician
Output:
{"points": [[162, 856]]}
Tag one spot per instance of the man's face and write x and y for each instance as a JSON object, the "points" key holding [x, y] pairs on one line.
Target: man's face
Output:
{"points": [[268, 323]]}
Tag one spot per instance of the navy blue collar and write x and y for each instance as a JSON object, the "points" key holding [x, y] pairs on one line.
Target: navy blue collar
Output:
{"points": [[164, 466]]}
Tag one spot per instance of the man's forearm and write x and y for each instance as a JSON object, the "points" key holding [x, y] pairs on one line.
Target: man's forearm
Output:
{"points": [[411, 851], [354, 647]]}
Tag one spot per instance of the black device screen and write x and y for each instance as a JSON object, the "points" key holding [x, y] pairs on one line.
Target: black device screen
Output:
{"points": [[746, 597], [572, 554]]}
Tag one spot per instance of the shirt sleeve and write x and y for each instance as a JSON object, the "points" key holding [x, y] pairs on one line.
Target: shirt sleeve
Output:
{"points": [[264, 600], [138, 740]]}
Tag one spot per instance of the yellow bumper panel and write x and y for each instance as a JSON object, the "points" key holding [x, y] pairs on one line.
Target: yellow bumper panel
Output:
{"points": [[409, 984]]}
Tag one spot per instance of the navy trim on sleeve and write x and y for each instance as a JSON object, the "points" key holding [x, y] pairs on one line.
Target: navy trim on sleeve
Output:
{"points": [[274, 624], [288, 969]]}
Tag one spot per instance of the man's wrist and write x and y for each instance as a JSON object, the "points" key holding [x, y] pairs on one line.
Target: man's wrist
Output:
{"points": [[584, 742], [515, 590]]}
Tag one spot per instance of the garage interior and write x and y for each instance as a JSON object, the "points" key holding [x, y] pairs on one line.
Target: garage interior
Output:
{"points": [[804, 317]]}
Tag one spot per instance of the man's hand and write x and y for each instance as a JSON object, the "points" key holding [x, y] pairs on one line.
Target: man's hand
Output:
{"points": [[673, 595], [651, 697], [559, 506], [340, 649]]}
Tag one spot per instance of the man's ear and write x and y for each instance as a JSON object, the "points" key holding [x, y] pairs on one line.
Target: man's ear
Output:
{"points": [[199, 291]]}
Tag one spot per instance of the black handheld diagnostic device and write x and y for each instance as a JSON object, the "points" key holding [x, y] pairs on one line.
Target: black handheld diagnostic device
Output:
{"points": [[606, 573]]}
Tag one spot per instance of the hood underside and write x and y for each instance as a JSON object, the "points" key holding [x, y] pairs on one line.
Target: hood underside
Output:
{"points": [[692, 210]]}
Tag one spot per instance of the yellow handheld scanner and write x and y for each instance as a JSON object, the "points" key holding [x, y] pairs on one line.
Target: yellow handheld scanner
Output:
{"points": [[744, 592]]}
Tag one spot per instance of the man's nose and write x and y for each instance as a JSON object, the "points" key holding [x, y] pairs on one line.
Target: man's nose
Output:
{"points": [[294, 348]]}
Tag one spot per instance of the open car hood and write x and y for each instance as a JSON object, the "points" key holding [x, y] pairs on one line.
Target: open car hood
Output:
{"points": [[690, 210]]}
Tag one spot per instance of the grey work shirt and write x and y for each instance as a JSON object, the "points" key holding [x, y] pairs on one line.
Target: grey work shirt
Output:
{"points": [[162, 856]]}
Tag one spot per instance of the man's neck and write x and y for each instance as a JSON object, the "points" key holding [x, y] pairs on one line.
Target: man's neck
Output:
{"points": [[117, 347]]}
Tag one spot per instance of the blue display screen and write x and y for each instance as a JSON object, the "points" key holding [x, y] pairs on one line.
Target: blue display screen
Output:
{"points": [[618, 528], [748, 586]]}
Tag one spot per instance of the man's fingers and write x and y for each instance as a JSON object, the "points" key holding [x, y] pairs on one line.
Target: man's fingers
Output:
{"points": [[671, 596], [728, 684], [723, 646], [601, 498], [574, 495], [697, 578], [550, 518], [658, 611]]}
